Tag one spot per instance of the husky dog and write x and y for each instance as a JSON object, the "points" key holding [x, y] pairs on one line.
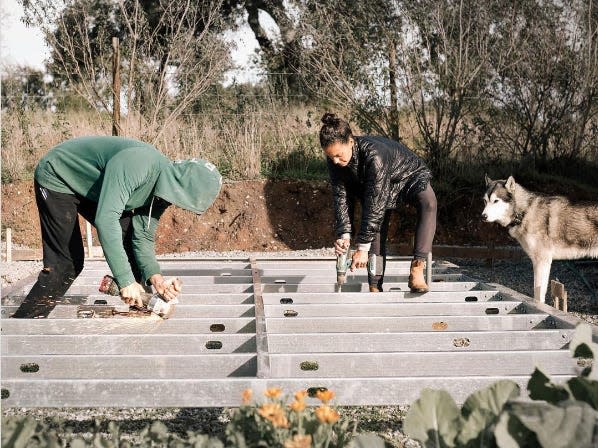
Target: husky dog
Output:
{"points": [[547, 227]]}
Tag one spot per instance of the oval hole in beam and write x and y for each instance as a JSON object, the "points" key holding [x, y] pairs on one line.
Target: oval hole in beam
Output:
{"points": [[290, 313], [30, 367], [471, 299], [280, 281], [492, 311], [286, 301], [100, 302], [439, 326], [217, 328], [461, 342], [5, 394], [309, 365], [213, 345]]}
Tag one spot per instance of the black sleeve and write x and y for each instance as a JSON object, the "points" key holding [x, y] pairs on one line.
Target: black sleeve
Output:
{"points": [[343, 204], [376, 191]]}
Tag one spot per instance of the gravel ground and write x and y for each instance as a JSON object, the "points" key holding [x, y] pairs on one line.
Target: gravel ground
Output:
{"points": [[580, 279]]}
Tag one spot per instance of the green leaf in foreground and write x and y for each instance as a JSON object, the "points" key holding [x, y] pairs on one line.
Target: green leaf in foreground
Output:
{"points": [[571, 424], [434, 419], [541, 387], [18, 432], [481, 411], [584, 389], [367, 441], [582, 346]]}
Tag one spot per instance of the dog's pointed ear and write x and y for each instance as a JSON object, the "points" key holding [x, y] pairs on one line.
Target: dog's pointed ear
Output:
{"points": [[487, 179], [510, 183]]}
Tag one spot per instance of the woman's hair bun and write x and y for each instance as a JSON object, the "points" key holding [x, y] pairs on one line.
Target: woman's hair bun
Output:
{"points": [[334, 129], [330, 119]]}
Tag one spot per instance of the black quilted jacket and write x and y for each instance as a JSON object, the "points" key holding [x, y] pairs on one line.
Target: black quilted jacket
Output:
{"points": [[381, 174]]}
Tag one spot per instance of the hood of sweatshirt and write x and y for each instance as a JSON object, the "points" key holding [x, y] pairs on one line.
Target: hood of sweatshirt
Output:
{"points": [[192, 184]]}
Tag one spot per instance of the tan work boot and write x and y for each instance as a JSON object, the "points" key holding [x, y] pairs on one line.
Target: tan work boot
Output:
{"points": [[374, 289], [417, 282]]}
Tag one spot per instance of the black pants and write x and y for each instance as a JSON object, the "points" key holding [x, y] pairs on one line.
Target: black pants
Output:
{"points": [[425, 204], [63, 248]]}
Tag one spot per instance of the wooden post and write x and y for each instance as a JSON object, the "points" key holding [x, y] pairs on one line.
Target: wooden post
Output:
{"points": [[8, 245], [559, 295], [89, 239], [116, 129], [490, 259], [429, 269], [394, 96]]}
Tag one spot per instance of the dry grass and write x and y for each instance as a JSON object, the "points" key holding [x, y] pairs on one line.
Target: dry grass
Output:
{"points": [[243, 146], [269, 141]]}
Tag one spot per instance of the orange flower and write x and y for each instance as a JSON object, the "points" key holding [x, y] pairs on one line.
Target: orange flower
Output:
{"points": [[280, 421], [298, 441], [297, 405], [274, 413], [247, 394], [268, 409], [325, 395], [327, 415], [273, 392], [300, 395]]}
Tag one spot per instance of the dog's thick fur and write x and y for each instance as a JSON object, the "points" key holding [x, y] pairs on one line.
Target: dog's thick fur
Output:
{"points": [[547, 227]]}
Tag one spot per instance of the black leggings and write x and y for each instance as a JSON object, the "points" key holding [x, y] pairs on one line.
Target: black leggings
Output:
{"points": [[63, 248], [425, 203]]}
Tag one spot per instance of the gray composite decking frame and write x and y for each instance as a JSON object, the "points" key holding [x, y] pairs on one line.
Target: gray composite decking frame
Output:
{"points": [[261, 322]]}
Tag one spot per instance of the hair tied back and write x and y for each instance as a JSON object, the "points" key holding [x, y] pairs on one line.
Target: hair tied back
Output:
{"points": [[330, 119]]}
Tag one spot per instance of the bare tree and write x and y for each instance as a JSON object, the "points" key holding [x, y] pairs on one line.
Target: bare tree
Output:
{"points": [[542, 103], [349, 59], [584, 38], [445, 52], [169, 64]]}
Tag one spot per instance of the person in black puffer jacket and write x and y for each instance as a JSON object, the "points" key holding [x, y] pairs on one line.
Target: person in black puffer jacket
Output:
{"points": [[381, 174]]}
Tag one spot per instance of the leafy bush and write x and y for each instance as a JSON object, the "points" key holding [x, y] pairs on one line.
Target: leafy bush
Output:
{"points": [[26, 432], [556, 416], [273, 424]]}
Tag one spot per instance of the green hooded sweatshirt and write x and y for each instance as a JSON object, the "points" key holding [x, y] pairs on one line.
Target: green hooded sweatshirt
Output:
{"points": [[122, 174]]}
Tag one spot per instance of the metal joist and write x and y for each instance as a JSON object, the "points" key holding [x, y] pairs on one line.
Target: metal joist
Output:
{"points": [[260, 322]]}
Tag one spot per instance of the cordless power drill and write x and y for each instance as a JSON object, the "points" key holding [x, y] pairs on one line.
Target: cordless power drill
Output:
{"points": [[343, 262]]}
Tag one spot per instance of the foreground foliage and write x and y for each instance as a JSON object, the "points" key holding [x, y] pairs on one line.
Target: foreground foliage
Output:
{"points": [[557, 415], [273, 423]]}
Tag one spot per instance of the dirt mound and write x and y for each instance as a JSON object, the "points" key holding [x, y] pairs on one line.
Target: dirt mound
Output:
{"points": [[263, 216]]}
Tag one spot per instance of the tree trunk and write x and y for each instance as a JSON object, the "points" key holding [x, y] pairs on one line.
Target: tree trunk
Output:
{"points": [[394, 97]]}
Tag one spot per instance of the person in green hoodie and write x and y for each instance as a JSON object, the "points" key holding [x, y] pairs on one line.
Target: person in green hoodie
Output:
{"points": [[121, 186]]}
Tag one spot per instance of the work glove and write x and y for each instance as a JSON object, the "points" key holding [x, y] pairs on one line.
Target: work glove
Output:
{"points": [[132, 294], [169, 288]]}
